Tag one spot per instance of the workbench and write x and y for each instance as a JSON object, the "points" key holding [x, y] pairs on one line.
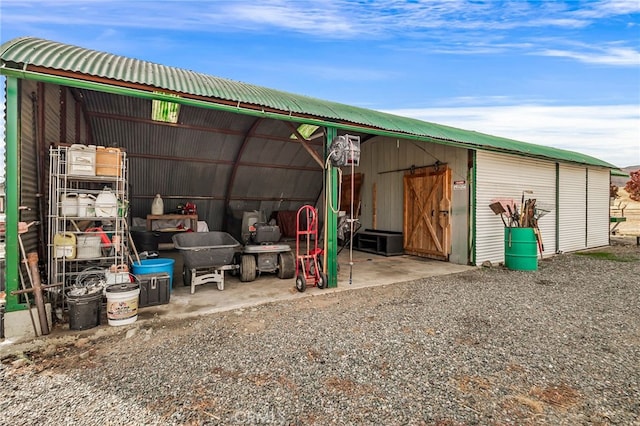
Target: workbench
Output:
{"points": [[192, 218]]}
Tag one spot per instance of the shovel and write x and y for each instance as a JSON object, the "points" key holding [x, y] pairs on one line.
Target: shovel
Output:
{"points": [[497, 208]]}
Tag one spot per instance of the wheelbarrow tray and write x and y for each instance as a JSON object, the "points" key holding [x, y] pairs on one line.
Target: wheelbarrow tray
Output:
{"points": [[206, 249]]}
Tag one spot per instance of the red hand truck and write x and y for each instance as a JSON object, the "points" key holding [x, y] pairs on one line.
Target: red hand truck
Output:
{"points": [[308, 264]]}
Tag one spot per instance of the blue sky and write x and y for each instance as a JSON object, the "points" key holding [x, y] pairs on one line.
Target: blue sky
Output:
{"points": [[558, 73]]}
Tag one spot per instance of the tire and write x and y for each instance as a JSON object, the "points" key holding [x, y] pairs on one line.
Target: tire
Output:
{"points": [[301, 283], [322, 280], [286, 265], [186, 276], [247, 268], [236, 261]]}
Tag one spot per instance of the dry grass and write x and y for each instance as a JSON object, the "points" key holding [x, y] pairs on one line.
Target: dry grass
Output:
{"points": [[474, 384], [560, 396], [631, 212]]}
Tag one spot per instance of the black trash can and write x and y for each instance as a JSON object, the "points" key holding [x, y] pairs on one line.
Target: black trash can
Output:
{"points": [[84, 311], [145, 240]]}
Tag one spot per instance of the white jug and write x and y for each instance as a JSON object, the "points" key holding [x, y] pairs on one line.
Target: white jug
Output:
{"points": [[157, 206], [106, 204], [69, 204], [86, 205]]}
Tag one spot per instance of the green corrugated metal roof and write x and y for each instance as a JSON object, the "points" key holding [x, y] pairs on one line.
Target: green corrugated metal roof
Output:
{"points": [[619, 173], [26, 51]]}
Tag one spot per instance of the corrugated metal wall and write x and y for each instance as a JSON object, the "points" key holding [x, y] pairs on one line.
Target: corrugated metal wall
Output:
{"points": [[572, 209], [598, 181], [194, 161], [43, 118], [28, 182], [507, 176], [382, 162]]}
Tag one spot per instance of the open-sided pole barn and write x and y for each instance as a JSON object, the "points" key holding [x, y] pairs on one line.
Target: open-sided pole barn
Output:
{"points": [[233, 147]]}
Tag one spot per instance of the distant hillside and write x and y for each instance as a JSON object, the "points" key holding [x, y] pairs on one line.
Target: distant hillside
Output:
{"points": [[622, 181]]}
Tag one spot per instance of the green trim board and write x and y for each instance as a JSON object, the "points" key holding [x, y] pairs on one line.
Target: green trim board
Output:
{"points": [[19, 54], [12, 158]]}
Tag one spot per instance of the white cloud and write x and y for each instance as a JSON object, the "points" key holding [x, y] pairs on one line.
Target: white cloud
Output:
{"points": [[459, 27], [608, 132], [608, 55]]}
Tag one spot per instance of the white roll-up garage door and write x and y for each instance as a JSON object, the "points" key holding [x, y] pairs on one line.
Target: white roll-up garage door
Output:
{"points": [[572, 208], [507, 176], [598, 207]]}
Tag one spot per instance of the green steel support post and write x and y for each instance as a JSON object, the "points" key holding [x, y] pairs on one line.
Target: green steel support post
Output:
{"points": [[332, 218], [12, 158], [474, 208], [557, 206]]}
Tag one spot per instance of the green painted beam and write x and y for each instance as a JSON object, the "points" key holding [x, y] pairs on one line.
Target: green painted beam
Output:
{"points": [[12, 158], [332, 218], [284, 116]]}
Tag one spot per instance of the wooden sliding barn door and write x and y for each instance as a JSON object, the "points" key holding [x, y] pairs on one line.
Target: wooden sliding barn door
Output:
{"points": [[427, 212]]}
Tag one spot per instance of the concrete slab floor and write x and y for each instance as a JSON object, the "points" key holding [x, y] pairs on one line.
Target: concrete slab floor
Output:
{"points": [[368, 270]]}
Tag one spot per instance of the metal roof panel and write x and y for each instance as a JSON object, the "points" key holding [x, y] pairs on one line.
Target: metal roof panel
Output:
{"points": [[25, 51]]}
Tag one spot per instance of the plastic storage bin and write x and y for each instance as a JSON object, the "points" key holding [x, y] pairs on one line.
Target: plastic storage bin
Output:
{"points": [[108, 161], [154, 289], [81, 160]]}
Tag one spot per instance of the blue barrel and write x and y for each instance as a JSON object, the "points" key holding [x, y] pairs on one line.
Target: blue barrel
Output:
{"points": [[520, 249], [154, 266]]}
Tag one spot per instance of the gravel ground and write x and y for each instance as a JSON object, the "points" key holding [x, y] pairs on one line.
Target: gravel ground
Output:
{"points": [[560, 345]]}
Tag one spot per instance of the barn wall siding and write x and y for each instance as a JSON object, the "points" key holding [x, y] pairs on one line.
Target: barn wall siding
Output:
{"points": [[48, 105], [507, 176], [384, 162], [598, 207], [572, 209]]}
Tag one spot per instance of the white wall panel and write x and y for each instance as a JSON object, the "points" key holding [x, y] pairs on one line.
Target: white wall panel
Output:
{"points": [[382, 163], [572, 208], [598, 207], [507, 176]]}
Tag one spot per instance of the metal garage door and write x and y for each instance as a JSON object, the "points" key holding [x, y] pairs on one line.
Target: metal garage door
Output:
{"points": [[572, 208], [598, 207], [506, 176]]}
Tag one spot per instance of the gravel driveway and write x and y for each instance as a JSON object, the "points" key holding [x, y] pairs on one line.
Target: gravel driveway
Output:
{"points": [[557, 346]]}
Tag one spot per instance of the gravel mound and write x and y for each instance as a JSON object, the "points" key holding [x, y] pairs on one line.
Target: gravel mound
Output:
{"points": [[560, 345]]}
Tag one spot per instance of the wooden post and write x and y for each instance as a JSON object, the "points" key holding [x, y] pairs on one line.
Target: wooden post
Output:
{"points": [[374, 206]]}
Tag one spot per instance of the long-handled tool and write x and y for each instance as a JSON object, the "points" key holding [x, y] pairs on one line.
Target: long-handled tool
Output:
{"points": [[133, 245], [497, 208], [522, 207], [23, 284], [31, 264]]}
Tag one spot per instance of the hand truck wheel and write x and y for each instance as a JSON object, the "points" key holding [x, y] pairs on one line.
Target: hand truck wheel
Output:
{"points": [[301, 283]]}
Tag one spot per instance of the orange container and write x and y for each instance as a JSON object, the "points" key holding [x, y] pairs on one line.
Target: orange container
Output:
{"points": [[108, 161]]}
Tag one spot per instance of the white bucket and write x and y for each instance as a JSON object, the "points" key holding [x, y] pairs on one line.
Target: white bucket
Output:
{"points": [[122, 303]]}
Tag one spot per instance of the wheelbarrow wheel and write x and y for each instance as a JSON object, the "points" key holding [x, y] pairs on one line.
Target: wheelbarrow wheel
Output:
{"points": [[286, 265], [322, 280], [247, 268], [186, 276], [301, 283]]}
